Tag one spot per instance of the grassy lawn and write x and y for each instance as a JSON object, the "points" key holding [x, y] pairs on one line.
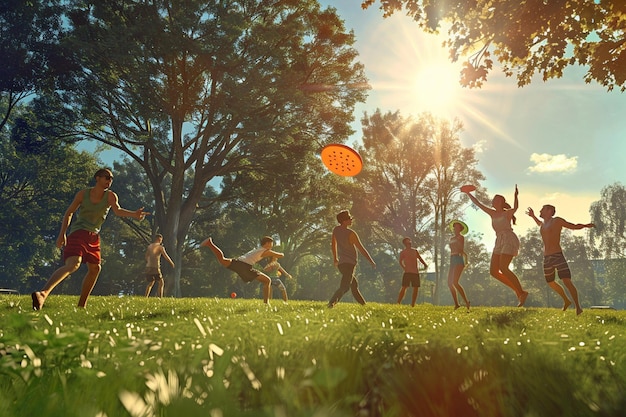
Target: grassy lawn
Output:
{"points": [[134, 356]]}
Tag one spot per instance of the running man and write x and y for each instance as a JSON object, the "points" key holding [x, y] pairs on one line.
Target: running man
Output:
{"points": [[82, 245]]}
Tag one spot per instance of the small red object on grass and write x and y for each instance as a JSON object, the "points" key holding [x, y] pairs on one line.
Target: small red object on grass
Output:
{"points": [[233, 295]]}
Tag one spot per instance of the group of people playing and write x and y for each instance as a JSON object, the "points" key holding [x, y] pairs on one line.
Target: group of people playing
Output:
{"points": [[82, 245], [506, 247]]}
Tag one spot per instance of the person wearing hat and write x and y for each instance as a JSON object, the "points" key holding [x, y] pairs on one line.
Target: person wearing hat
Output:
{"points": [[344, 244], [411, 276], [458, 259]]}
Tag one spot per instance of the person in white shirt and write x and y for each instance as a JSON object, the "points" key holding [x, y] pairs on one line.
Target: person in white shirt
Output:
{"points": [[243, 265]]}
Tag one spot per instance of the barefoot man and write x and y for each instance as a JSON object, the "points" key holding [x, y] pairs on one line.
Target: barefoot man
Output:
{"points": [[553, 260], [82, 244]]}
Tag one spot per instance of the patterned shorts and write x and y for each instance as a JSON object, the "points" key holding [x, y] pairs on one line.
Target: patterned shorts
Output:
{"points": [[555, 263]]}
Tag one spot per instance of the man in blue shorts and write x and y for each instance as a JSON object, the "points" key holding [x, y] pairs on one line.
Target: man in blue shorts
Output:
{"points": [[553, 260]]}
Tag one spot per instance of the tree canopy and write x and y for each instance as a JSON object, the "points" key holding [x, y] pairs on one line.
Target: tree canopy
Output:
{"points": [[527, 37], [195, 93]]}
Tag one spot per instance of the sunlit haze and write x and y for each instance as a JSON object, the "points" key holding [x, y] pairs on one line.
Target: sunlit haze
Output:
{"points": [[561, 141]]}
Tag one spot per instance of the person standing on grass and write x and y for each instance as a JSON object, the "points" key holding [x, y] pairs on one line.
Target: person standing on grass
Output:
{"points": [[507, 243], [344, 244], [458, 259], [82, 245], [153, 264], [411, 276], [554, 261], [274, 271], [243, 265]]}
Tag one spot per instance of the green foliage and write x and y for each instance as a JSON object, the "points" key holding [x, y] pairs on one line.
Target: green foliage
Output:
{"points": [[200, 91], [609, 216], [133, 356], [39, 176], [527, 37], [411, 182]]}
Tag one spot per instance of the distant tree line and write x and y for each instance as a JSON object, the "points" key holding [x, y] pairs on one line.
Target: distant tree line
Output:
{"points": [[221, 110]]}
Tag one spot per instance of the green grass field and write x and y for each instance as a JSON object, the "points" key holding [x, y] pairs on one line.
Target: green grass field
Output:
{"points": [[134, 356]]}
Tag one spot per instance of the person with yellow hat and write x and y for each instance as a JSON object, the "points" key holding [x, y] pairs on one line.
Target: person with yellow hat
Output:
{"points": [[458, 260]]}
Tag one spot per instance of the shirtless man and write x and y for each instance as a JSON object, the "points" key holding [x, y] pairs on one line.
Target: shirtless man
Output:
{"points": [[153, 264], [411, 276], [553, 260]]}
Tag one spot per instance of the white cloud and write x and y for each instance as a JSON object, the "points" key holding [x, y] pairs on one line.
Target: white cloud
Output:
{"points": [[480, 146], [552, 163]]}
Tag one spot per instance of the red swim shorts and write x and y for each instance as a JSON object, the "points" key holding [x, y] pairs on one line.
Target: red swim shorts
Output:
{"points": [[85, 244]]}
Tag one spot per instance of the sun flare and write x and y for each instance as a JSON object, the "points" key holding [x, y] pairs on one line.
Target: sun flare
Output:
{"points": [[436, 87]]}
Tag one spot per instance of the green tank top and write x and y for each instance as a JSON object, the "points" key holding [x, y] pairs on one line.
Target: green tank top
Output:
{"points": [[91, 216]]}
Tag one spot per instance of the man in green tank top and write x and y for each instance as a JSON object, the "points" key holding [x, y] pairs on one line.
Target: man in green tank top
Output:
{"points": [[82, 245]]}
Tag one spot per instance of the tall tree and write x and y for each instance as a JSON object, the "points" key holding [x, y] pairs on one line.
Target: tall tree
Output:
{"points": [[33, 59], [414, 169], [39, 175], [608, 240], [609, 216], [454, 166], [196, 90], [526, 36], [399, 157]]}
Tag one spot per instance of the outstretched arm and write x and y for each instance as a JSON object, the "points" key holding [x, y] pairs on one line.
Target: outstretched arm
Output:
{"points": [[271, 253], [531, 213], [138, 214], [479, 204], [573, 226], [516, 200]]}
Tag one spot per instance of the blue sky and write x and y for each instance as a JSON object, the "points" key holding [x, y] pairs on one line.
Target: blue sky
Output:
{"points": [[561, 141]]}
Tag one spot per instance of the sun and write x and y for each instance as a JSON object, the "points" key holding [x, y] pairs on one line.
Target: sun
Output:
{"points": [[418, 77], [436, 88]]}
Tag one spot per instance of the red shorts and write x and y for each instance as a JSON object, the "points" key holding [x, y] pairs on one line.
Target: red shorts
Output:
{"points": [[85, 244]]}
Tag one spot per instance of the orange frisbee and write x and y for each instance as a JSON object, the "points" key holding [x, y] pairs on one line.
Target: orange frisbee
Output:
{"points": [[468, 188], [342, 160]]}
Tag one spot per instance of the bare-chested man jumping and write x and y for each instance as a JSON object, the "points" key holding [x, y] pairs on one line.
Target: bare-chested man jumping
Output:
{"points": [[553, 260]]}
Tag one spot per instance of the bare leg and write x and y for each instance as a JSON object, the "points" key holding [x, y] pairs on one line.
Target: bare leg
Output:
{"points": [[217, 251], [503, 266], [267, 288], [452, 287], [161, 288], [574, 293], [494, 270], [456, 277], [93, 270], [71, 265], [149, 288], [560, 291], [401, 294], [414, 296]]}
